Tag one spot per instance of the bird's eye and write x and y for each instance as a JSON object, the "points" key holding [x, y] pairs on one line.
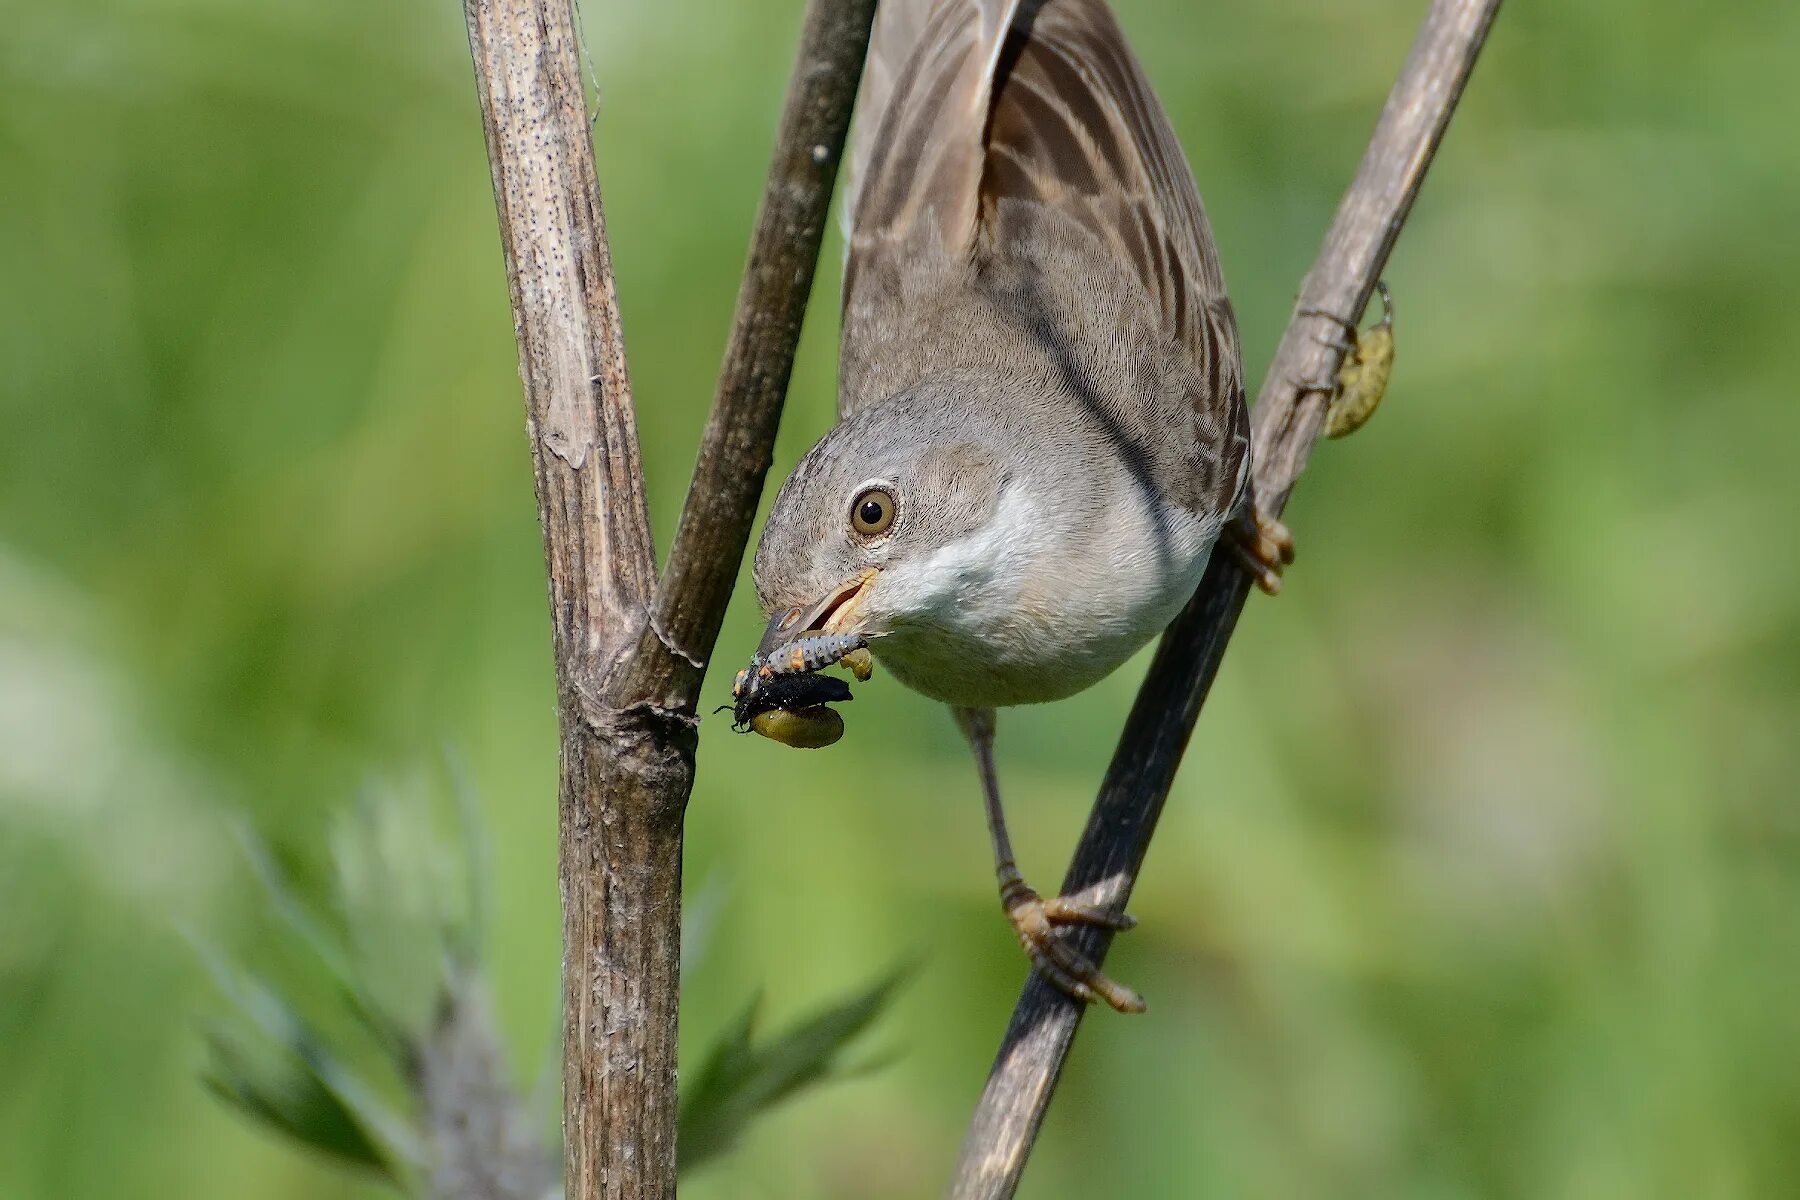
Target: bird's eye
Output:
{"points": [[872, 512]]}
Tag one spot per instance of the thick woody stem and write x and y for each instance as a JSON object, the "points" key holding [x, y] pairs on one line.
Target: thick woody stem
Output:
{"points": [[626, 766], [1287, 421], [630, 654]]}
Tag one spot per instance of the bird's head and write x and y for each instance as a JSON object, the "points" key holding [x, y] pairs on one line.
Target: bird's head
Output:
{"points": [[882, 528]]}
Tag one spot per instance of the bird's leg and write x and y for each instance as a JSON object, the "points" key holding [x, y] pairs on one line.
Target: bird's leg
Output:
{"points": [[1035, 919], [1261, 544]]}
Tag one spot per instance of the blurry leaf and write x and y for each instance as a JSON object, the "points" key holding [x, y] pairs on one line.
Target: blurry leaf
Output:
{"points": [[288, 1098], [403, 961], [273, 1066], [465, 931], [323, 946], [405, 897], [740, 1080]]}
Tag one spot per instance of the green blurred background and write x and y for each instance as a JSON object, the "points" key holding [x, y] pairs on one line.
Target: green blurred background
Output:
{"points": [[1483, 874]]}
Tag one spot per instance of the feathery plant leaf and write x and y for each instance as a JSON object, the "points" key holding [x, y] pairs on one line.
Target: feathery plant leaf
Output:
{"points": [[467, 936], [401, 962], [322, 947], [399, 948], [286, 1098], [403, 896], [272, 1065], [741, 1080]]}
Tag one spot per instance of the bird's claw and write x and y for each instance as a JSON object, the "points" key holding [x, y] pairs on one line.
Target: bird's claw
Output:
{"points": [[1262, 545], [1036, 920]]}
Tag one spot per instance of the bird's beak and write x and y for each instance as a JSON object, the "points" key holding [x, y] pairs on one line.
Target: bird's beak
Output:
{"points": [[835, 613]]}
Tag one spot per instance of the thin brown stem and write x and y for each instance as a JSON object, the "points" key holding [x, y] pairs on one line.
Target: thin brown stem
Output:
{"points": [[736, 449], [1287, 420], [630, 652]]}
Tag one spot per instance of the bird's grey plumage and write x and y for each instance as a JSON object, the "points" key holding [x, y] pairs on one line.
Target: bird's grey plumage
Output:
{"points": [[1042, 427], [1037, 356]]}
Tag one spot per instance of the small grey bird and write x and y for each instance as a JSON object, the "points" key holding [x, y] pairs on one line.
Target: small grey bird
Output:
{"points": [[1042, 428]]}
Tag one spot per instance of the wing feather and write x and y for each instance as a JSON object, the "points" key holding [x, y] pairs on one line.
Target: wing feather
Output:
{"points": [[1076, 127], [981, 116], [926, 94]]}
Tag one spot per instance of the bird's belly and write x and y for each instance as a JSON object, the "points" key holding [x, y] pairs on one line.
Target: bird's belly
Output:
{"points": [[1051, 634]]}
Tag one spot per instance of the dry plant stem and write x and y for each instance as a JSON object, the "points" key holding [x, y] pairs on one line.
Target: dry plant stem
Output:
{"points": [[625, 767], [630, 654], [1288, 419], [735, 450]]}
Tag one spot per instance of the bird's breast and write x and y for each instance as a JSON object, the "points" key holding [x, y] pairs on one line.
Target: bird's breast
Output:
{"points": [[1030, 610]]}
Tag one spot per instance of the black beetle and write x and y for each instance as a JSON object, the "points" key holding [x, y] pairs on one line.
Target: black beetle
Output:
{"points": [[782, 697]]}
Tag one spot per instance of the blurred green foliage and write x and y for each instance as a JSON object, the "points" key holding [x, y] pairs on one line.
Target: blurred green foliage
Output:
{"points": [[379, 1028], [745, 1076], [1480, 880], [376, 1048]]}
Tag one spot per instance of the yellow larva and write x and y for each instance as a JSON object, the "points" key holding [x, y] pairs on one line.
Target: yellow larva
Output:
{"points": [[861, 664], [804, 729], [1363, 379]]}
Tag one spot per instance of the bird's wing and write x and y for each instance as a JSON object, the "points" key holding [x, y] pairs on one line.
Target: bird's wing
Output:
{"points": [[1077, 129], [981, 113], [899, 26], [921, 112]]}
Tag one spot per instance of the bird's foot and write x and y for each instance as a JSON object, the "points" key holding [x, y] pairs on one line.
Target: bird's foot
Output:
{"points": [[1262, 545], [1036, 921]]}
